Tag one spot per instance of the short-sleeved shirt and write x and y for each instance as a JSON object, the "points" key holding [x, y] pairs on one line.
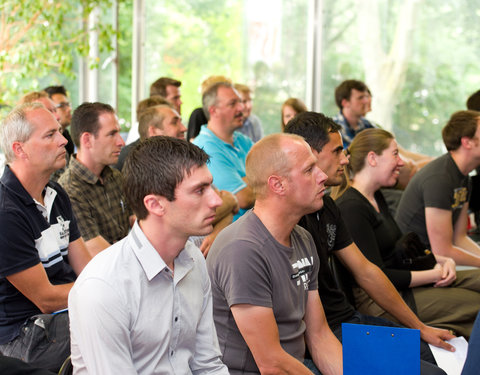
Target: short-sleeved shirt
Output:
{"points": [[130, 314], [31, 233], [329, 234], [100, 208], [227, 162], [248, 266], [348, 133], [439, 184], [252, 128]]}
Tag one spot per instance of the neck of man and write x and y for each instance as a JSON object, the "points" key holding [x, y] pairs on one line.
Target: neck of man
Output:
{"points": [[33, 182], [351, 118], [167, 243], [87, 160], [221, 131], [278, 220], [464, 162]]}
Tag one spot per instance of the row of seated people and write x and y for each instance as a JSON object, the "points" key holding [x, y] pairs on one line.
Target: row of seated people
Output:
{"points": [[238, 287]]}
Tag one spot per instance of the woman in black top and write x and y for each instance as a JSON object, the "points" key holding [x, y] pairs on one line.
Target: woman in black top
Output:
{"points": [[443, 297]]}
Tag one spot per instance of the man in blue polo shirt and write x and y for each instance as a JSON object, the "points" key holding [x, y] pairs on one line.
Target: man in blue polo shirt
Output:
{"points": [[226, 147], [42, 251]]}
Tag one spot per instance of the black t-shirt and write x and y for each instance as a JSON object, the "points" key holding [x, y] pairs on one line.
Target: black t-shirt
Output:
{"points": [[329, 234], [375, 233]]}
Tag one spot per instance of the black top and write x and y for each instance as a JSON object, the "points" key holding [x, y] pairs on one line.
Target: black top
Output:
{"points": [[374, 233], [329, 234]]}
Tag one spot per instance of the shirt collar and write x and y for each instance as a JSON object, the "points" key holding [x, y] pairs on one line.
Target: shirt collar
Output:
{"points": [[85, 174], [151, 262]]}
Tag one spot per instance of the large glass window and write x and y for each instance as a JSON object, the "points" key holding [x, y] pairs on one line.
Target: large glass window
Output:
{"points": [[260, 43]]}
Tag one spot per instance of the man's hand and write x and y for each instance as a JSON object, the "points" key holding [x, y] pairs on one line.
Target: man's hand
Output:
{"points": [[437, 337]]}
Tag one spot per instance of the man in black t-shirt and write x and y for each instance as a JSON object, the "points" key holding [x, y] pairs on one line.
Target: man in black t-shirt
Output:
{"points": [[331, 237]]}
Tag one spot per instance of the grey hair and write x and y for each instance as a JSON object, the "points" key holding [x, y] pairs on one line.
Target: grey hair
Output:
{"points": [[16, 128], [210, 95]]}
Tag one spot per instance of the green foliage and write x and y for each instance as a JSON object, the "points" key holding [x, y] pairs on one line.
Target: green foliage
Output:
{"points": [[42, 38]]}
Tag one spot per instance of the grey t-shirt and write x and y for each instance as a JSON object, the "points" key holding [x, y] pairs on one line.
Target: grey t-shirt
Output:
{"points": [[248, 266], [439, 184]]}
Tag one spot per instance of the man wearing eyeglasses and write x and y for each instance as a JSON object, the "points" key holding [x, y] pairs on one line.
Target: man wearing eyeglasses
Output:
{"points": [[58, 94]]}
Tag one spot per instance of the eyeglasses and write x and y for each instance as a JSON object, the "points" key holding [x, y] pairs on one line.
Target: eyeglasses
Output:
{"points": [[62, 105]]}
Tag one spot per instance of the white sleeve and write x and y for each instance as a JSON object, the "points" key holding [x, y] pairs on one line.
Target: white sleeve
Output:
{"points": [[99, 330]]}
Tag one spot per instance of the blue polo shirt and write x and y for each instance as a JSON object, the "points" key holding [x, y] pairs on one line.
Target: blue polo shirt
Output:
{"points": [[227, 162]]}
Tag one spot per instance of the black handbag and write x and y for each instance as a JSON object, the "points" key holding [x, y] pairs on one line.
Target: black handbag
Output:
{"points": [[411, 254]]}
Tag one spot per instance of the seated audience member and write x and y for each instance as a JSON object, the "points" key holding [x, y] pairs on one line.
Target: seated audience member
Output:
{"points": [[453, 300], [141, 106], [169, 89], [252, 126], [290, 108], [165, 88], [95, 188], [59, 96], [332, 238], [473, 103], [264, 269], [226, 147], [198, 116], [43, 98], [144, 305], [435, 203], [354, 101], [42, 251]]}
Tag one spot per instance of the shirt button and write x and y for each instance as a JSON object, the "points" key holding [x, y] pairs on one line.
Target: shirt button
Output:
{"points": [[176, 318], [171, 353]]}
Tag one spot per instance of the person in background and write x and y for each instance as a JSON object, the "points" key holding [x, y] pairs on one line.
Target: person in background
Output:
{"points": [[168, 88], [94, 187], [198, 116], [290, 108], [252, 126], [442, 296]]}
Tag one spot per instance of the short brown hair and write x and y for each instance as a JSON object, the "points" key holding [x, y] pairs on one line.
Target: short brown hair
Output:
{"points": [[344, 90], [153, 116], [461, 124], [159, 87], [158, 165], [33, 97], [151, 102], [85, 119]]}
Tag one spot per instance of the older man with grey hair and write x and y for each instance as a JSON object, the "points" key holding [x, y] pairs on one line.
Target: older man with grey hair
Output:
{"points": [[227, 148], [42, 251]]}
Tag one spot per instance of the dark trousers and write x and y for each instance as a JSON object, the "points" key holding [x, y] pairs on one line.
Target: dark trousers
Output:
{"points": [[43, 341]]}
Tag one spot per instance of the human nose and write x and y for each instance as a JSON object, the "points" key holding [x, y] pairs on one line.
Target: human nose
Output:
{"points": [[215, 201], [400, 161], [321, 177], [62, 140], [182, 127], [344, 159], [120, 141]]}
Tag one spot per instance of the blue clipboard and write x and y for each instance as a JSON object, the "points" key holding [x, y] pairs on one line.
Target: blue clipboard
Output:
{"points": [[375, 350]]}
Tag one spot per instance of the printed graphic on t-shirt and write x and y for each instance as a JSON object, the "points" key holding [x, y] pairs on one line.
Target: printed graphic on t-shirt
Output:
{"points": [[303, 268], [331, 234], [53, 242], [459, 197]]}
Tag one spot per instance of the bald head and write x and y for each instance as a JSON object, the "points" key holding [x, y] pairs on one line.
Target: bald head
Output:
{"points": [[271, 156]]}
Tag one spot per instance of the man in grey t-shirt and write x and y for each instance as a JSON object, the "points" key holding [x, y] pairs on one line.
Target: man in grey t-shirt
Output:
{"points": [[264, 269]]}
